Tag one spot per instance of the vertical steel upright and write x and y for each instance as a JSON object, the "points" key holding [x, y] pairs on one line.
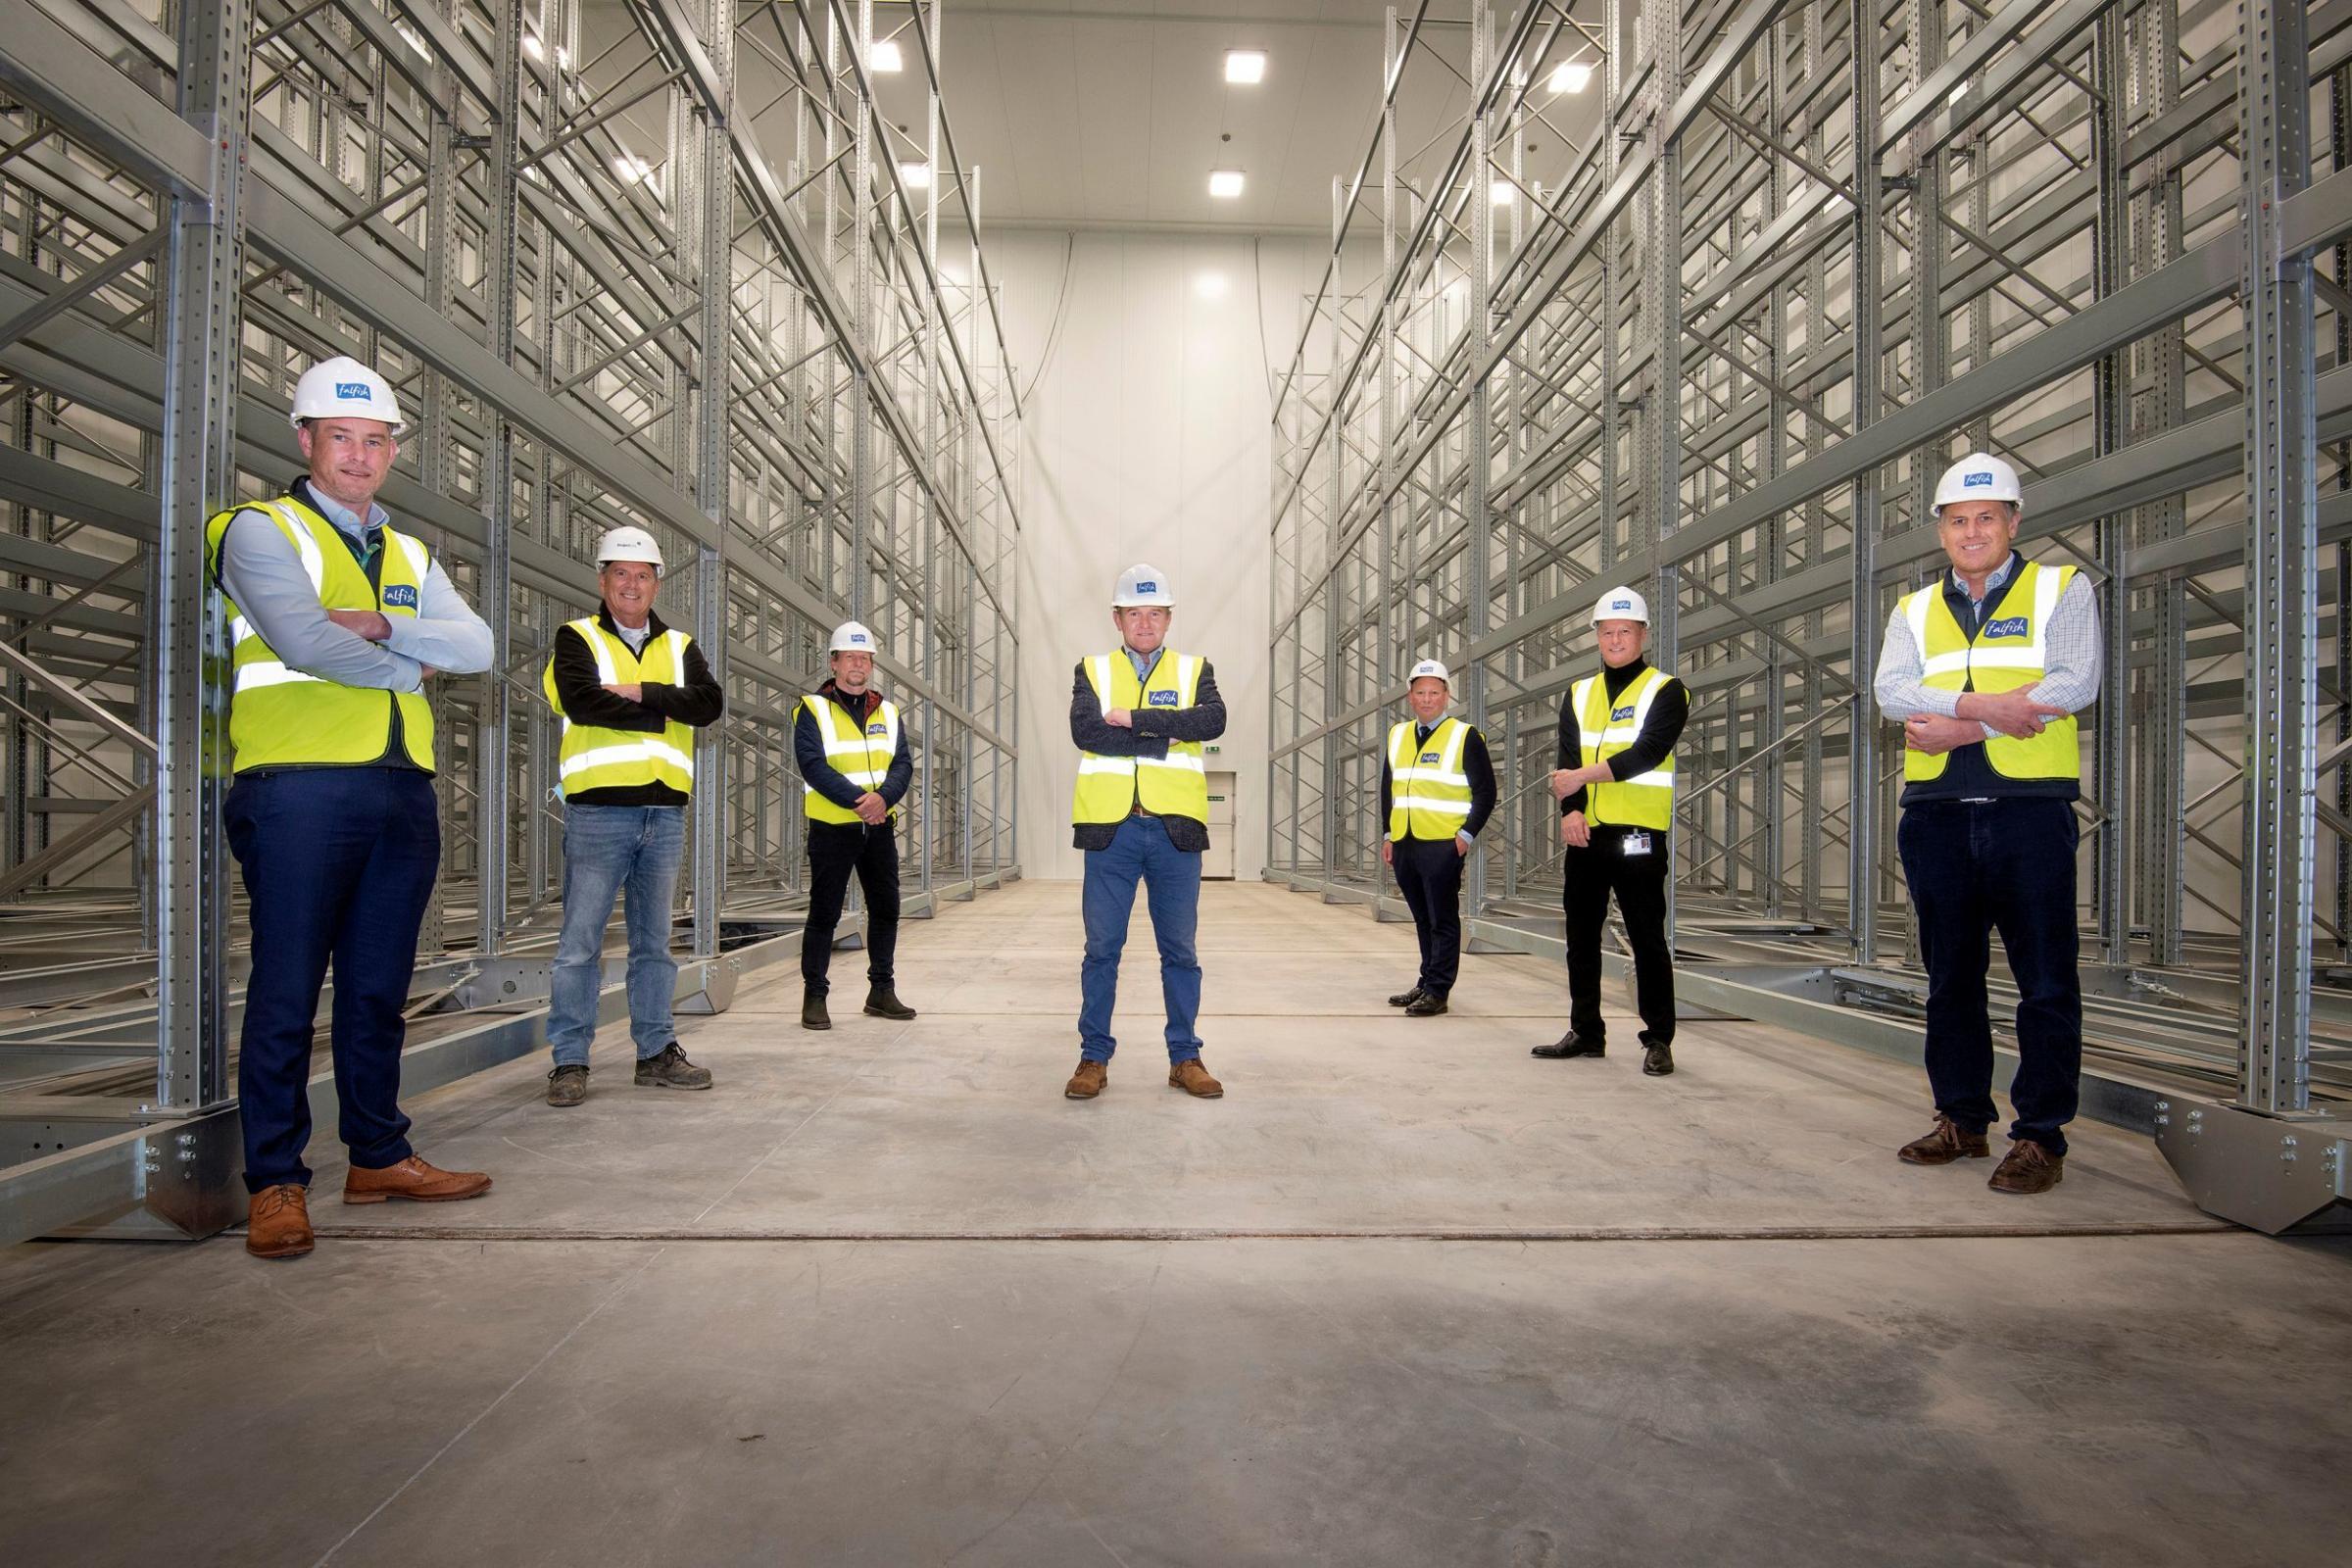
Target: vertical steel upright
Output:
{"points": [[1862, 749], [2111, 413], [494, 762], [1478, 493], [713, 223], [2281, 623], [202, 322], [1662, 421]]}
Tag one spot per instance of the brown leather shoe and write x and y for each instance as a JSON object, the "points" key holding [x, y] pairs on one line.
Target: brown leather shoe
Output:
{"points": [[1193, 1079], [2027, 1168], [1088, 1081], [277, 1222], [1943, 1144], [413, 1179]]}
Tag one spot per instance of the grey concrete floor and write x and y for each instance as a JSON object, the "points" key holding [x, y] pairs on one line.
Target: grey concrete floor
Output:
{"points": [[1381, 1303]]}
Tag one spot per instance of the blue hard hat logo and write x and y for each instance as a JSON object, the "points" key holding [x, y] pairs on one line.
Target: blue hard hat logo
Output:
{"points": [[1146, 587], [1976, 482], [353, 389]]}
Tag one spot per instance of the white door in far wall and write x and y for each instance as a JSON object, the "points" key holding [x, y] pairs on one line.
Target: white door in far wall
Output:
{"points": [[1218, 862]]}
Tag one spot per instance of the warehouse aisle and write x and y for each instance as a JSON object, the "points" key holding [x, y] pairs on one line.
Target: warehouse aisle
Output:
{"points": [[1290, 1325]]}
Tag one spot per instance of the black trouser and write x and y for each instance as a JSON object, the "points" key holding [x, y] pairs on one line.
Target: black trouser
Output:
{"points": [[2008, 865], [1429, 873], [835, 850], [1592, 874]]}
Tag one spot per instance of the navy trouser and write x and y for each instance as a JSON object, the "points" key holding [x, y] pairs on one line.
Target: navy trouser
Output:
{"points": [[2005, 865], [339, 863], [1429, 873]]}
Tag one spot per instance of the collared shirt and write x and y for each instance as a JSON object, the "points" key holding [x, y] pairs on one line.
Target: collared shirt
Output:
{"points": [[261, 572], [635, 636], [1143, 663], [2077, 653]]}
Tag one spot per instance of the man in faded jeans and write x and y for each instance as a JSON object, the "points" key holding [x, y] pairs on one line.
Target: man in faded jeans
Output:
{"points": [[631, 692]]}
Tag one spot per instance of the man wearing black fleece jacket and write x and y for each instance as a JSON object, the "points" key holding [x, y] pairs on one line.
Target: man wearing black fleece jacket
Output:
{"points": [[1615, 785]]}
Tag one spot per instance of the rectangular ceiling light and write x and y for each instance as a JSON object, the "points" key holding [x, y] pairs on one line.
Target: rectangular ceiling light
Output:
{"points": [[1502, 193], [1225, 184], [915, 177], [1246, 67], [533, 47], [1573, 76], [1209, 285], [632, 169], [886, 60]]}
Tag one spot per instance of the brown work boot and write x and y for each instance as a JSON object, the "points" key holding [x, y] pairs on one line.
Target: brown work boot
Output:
{"points": [[1088, 1081], [414, 1180], [2027, 1168], [1193, 1079], [1944, 1143], [277, 1222]]}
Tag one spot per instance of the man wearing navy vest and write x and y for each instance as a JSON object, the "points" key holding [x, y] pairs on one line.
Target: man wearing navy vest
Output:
{"points": [[336, 620], [855, 765], [1437, 790], [1139, 716], [1986, 669], [630, 692]]}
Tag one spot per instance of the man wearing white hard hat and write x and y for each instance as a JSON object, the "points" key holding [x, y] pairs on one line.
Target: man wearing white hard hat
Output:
{"points": [[1140, 715], [1614, 780], [856, 766], [630, 692], [1986, 669], [1437, 790], [336, 620]]}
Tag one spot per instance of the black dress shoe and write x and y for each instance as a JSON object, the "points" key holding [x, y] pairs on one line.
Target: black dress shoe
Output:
{"points": [[1571, 1045], [1657, 1059], [1405, 999], [1425, 1006]]}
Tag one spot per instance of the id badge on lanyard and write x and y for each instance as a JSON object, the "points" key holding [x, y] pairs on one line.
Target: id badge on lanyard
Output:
{"points": [[1636, 843]]}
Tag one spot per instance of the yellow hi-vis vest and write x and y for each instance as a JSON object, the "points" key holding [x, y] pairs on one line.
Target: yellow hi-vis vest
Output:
{"points": [[2011, 651], [280, 716], [1605, 728], [594, 758], [1429, 794], [1109, 788], [863, 758]]}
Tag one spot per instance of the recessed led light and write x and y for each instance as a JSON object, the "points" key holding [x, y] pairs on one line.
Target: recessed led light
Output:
{"points": [[915, 177], [632, 169], [886, 59], [1244, 66], [1209, 285], [533, 47], [1225, 184], [1502, 193], [1574, 76]]}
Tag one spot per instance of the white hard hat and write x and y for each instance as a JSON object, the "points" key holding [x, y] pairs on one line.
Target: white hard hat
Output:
{"points": [[852, 637], [1621, 604], [342, 388], [628, 544], [1979, 476], [1142, 584], [1430, 669]]}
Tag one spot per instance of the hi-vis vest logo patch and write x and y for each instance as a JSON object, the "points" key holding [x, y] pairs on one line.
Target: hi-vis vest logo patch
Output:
{"points": [[1627, 711], [1429, 757], [2014, 626], [877, 728], [399, 596], [1161, 700], [352, 389]]}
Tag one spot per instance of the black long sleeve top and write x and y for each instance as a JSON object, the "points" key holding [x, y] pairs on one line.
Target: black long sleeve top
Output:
{"points": [[697, 700], [1476, 763], [808, 751], [1154, 728], [1669, 711]]}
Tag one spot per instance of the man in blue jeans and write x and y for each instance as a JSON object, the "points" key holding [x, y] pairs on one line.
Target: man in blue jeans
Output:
{"points": [[631, 692], [336, 620], [1139, 716]]}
